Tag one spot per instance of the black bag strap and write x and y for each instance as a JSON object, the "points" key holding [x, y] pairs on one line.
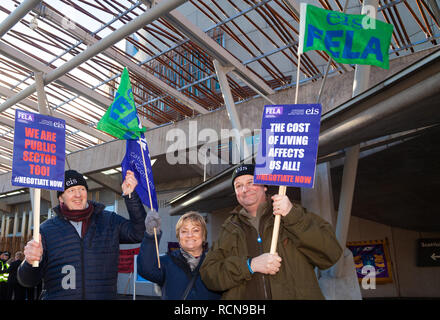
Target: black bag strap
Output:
{"points": [[191, 283]]}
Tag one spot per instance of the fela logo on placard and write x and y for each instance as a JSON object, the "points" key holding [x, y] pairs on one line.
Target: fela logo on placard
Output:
{"points": [[273, 112], [25, 117]]}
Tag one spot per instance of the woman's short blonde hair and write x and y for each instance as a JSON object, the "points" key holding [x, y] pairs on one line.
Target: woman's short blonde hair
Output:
{"points": [[195, 218]]}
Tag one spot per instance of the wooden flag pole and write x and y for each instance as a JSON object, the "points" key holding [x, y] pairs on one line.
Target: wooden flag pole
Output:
{"points": [[276, 225], [282, 189], [151, 201], [36, 212], [297, 78], [157, 247]]}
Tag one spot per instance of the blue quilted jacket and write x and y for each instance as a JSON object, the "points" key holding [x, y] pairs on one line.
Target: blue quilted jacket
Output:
{"points": [[86, 268]]}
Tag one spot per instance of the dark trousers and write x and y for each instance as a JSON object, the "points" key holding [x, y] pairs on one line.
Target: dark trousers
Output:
{"points": [[5, 291], [34, 292], [18, 292]]}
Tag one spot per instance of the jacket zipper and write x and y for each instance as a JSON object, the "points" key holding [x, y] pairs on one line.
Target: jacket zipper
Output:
{"points": [[83, 289], [261, 226], [261, 252], [81, 241], [263, 276]]}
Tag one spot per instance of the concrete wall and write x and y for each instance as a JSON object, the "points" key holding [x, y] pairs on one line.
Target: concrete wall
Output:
{"points": [[409, 280]]}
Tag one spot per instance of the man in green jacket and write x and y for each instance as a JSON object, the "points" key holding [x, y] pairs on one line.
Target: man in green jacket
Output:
{"points": [[239, 263]]}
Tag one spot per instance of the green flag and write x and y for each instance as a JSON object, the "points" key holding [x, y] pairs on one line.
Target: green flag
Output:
{"points": [[121, 120], [347, 38]]}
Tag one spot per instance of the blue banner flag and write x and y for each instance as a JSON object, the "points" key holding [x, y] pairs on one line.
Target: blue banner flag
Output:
{"points": [[121, 121], [137, 162]]}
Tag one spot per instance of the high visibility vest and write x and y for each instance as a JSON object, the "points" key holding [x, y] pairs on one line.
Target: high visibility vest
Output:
{"points": [[4, 276]]}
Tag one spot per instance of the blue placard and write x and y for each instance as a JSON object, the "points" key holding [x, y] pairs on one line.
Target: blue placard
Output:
{"points": [[289, 144], [39, 151], [140, 279]]}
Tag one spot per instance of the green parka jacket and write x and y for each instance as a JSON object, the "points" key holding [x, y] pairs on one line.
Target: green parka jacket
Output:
{"points": [[305, 241]]}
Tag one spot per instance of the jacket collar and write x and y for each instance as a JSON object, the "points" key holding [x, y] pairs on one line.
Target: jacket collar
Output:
{"points": [[262, 209], [180, 261], [99, 207], [239, 214]]}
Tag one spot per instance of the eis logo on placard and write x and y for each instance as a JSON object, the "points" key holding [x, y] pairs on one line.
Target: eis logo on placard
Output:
{"points": [[50, 123], [273, 112], [25, 117], [312, 112], [58, 124]]}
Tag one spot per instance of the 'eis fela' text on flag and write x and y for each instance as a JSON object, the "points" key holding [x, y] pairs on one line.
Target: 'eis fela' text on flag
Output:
{"points": [[347, 38], [120, 119]]}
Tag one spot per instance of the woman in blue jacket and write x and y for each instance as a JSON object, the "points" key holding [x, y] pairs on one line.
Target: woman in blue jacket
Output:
{"points": [[178, 275]]}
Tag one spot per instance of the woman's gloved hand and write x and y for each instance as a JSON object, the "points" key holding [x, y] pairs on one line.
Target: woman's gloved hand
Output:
{"points": [[152, 221]]}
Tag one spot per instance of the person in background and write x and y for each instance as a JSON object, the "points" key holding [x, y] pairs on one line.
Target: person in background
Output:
{"points": [[5, 292], [78, 251], [178, 275], [18, 292], [239, 262]]}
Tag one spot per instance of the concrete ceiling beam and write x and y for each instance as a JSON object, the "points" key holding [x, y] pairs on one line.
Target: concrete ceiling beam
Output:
{"points": [[124, 61]]}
